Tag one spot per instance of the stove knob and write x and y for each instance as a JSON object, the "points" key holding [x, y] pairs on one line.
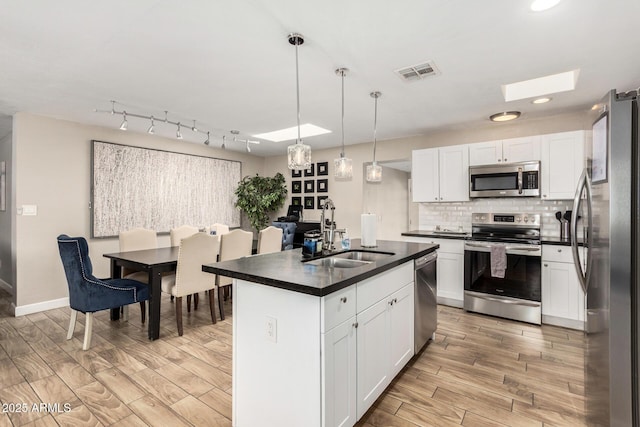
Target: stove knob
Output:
{"points": [[526, 219], [518, 219]]}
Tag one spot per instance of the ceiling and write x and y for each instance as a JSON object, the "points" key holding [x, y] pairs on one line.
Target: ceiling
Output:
{"points": [[229, 65]]}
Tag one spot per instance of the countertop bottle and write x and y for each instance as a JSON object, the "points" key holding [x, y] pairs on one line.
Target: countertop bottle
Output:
{"points": [[346, 242]]}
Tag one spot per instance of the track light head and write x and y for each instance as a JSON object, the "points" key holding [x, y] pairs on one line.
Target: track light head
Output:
{"points": [[178, 133], [206, 141], [248, 148], [224, 139], [194, 128], [151, 129], [124, 124]]}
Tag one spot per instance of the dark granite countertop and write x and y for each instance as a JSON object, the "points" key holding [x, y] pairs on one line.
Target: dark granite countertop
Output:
{"points": [[437, 234], [287, 271]]}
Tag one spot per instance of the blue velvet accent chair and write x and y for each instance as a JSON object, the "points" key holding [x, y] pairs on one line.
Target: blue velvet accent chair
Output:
{"points": [[88, 294], [288, 231]]}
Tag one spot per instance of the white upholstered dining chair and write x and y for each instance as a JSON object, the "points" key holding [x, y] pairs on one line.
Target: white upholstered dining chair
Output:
{"points": [[179, 233], [233, 245], [196, 250], [270, 240], [137, 239]]}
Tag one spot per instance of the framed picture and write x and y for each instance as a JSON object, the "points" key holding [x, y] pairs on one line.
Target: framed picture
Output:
{"points": [[296, 201], [599, 172], [296, 173], [321, 201], [310, 171], [323, 168], [308, 202], [309, 186], [296, 186], [323, 185]]}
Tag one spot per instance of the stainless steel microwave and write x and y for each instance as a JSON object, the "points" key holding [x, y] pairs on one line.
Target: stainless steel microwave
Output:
{"points": [[507, 180]]}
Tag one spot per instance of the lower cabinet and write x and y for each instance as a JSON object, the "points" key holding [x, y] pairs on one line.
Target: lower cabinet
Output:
{"points": [[339, 379], [362, 355], [385, 344], [563, 301]]}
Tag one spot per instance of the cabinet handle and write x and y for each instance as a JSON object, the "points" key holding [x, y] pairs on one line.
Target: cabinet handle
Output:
{"points": [[546, 265], [343, 299], [544, 195], [505, 159], [559, 250], [391, 302], [436, 198], [499, 160], [355, 325]]}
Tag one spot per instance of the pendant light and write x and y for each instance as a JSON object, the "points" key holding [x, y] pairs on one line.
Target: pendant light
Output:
{"points": [[343, 165], [298, 154], [374, 171]]}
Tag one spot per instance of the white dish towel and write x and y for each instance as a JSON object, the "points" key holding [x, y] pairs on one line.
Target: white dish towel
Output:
{"points": [[498, 260]]}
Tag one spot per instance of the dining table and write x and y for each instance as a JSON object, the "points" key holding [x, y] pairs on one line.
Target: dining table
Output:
{"points": [[155, 262]]}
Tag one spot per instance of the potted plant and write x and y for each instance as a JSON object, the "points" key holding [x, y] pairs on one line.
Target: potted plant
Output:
{"points": [[257, 196]]}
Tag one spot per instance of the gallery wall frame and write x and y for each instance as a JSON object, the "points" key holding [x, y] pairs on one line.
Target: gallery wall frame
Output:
{"points": [[155, 189]]}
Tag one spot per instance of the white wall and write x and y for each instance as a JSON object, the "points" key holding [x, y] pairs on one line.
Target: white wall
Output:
{"points": [[52, 171]]}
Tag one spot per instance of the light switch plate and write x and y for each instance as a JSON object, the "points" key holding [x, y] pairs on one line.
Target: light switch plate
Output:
{"points": [[29, 210]]}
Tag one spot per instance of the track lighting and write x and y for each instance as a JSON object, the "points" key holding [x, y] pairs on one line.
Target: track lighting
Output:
{"points": [[194, 128], [124, 124]]}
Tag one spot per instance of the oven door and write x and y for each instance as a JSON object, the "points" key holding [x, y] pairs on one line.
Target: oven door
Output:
{"points": [[516, 296], [522, 277]]}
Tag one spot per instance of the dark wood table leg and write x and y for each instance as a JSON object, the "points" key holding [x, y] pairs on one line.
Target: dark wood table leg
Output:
{"points": [[116, 273], [155, 290]]}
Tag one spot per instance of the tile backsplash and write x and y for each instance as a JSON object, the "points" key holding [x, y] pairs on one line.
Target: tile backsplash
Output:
{"points": [[454, 215]]}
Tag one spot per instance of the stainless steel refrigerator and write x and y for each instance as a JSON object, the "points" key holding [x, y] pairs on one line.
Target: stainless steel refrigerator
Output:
{"points": [[605, 222]]}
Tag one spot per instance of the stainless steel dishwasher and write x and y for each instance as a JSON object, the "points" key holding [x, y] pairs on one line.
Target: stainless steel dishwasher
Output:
{"points": [[426, 304]]}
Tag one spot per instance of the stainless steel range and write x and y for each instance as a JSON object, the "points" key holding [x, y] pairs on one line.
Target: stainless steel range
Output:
{"points": [[510, 243]]}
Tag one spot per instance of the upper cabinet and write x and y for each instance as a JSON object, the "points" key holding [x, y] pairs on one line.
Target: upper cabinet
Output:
{"points": [[440, 174], [562, 163], [505, 151]]}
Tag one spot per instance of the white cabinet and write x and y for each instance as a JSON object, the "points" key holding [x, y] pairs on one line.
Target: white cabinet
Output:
{"points": [[562, 164], [339, 380], [505, 151], [440, 174], [563, 301], [384, 344], [449, 269]]}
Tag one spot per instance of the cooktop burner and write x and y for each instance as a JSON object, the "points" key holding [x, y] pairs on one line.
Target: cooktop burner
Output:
{"points": [[521, 228]]}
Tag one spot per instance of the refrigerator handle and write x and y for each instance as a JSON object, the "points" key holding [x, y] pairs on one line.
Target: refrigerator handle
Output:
{"points": [[584, 183]]}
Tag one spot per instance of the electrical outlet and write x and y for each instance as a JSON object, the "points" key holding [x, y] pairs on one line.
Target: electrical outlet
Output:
{"points": [[271, 329]]}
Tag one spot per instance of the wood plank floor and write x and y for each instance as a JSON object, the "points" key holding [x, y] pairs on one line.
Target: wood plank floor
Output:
{"points": [[480, 371]]}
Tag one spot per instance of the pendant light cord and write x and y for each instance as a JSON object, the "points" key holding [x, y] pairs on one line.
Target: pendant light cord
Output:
{"points": [[342, 74], [375, 124], [298, 93]]}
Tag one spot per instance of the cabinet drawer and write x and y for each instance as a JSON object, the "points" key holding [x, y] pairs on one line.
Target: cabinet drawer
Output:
{"points": [[337, 307], [555, 253], [373, 290]]}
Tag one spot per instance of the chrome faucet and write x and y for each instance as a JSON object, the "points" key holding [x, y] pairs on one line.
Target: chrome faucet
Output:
{"points": [[327, 242]]}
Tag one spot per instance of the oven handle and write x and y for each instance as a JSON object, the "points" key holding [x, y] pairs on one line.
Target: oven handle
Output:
{"points": [[509, 248], [520, 180], [505, 300]]}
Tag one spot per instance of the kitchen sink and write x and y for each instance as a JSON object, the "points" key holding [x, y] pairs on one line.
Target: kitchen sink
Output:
{"points": [[335, 262], [350, 259]]}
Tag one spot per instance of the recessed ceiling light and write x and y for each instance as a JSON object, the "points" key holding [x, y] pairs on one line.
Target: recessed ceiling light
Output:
{"points": [[306, 130], [505, 116], [561, 82], [542, 100], [540, 5]]}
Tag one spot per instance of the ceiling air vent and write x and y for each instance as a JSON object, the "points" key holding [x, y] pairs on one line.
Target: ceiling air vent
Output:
{"points": [[417, 72]]}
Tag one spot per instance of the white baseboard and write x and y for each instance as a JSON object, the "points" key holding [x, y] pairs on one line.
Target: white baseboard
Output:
{"points": [[565, 323], [451, 302], [23, 310]]}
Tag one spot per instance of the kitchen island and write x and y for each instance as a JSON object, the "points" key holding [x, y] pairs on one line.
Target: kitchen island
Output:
{"points": [[315, 343]]}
